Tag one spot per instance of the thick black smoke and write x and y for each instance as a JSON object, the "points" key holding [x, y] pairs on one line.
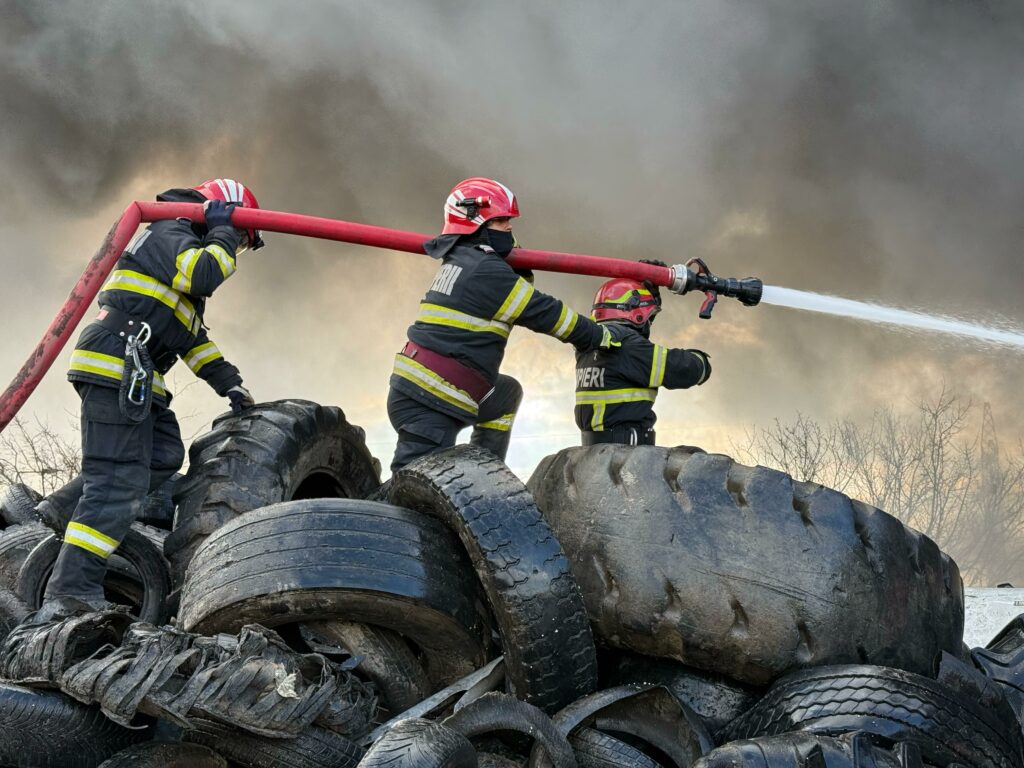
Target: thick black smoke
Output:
{"points": [[872, 150]]}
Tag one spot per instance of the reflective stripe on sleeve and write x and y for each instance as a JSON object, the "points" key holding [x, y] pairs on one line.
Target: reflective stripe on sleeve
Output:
{"points": [[136, 282], [426, 379], [186, 263], [659, 358], [90, 540], [224, 260], [566, 323], [199, 356], [515, 302], [502, 423], [435, 314], [108, 366]]}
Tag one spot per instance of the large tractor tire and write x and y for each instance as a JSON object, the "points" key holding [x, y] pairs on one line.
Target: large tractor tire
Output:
{"points": [[272, 452], [742, 571], [324, 559]]}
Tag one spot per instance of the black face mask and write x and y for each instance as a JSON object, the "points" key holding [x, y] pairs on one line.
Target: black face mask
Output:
{"points": [[501, 242]]}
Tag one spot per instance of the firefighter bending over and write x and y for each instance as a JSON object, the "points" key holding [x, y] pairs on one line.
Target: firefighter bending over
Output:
{"points": [[151, 313], [615, 390], [446, 377]]}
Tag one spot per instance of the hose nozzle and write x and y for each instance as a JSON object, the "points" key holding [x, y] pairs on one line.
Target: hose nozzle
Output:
{"points": [[695, 275]]}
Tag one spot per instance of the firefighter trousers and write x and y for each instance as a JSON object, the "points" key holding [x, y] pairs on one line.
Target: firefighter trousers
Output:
{"points": [[422, 429], [121, 462]]}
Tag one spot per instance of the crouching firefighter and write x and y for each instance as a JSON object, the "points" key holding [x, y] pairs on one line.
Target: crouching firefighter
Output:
{"points": [[151, 313], [446, 377], [615, 391]]}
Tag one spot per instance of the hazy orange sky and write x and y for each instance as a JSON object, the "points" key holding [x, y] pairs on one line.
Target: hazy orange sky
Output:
{"points": [[869, 150]]}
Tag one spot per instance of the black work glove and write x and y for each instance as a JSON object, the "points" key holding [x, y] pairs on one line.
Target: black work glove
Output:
{"points": [[218, 213], [654, 289], [705, 360], [240, 399], [526, 274]]}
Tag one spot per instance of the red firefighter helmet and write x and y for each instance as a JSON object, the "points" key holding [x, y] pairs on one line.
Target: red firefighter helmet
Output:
{"points": [[625, 299], [231, 191], [474, 202]]}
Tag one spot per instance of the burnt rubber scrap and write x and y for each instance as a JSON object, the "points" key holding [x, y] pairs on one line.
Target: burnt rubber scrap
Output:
{"points": [[253, 681]]}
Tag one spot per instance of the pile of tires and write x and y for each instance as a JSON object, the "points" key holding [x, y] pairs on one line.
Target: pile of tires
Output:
{"points": [[628, 606]]}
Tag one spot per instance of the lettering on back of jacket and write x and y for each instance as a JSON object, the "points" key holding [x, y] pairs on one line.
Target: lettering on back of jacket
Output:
{"points": [[588, 378], [444, 280]]}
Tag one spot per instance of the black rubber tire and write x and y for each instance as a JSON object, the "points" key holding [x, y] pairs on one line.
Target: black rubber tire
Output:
{"points": [[12, 612], [419, 743], [272, 452], [313, 748], [164, 755], [322, 559], [387, 661], [15, 544], [595, 749], [490, 760], [896, 705], [143, 564], [499, 712], [46, 729], [801, 750], [18, 504], [742, 571], [550, 658]]}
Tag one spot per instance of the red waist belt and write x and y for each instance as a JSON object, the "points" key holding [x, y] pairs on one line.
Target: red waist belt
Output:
{"points": [[451, 370]]}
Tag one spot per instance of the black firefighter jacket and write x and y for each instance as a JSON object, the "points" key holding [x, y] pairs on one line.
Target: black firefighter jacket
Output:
{"points": [[163, 278], [619, 387], [468, 313]]}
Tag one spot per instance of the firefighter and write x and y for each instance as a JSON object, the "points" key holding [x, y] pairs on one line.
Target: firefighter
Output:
{"points": [[615, 391], [446, 377], [151, 313]]}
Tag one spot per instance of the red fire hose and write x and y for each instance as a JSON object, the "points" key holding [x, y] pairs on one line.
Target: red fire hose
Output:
{"points": [[120, 234]]}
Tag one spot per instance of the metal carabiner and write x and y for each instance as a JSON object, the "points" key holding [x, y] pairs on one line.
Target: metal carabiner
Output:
{"points": [[138, 370]]}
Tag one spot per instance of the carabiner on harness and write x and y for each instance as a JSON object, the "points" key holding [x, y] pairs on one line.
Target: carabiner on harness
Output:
{"points": [[139, 374]]}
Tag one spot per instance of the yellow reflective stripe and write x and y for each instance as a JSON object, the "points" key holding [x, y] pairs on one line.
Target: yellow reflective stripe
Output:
{"points": [[90, 539], [435, 314], [426, 379], [502, 423], [566, 323], [616, 396], [658, 366], [224, 259], [643, 293], [515, 302], [109, 366], [136, 282], [186, 263], [597, 420], [199, 356]]}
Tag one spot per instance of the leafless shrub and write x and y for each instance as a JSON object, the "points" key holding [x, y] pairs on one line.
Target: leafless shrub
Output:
{"points": [[32, 453], [940, 469]]}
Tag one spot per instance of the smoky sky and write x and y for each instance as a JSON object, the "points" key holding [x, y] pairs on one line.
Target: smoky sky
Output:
{"points": [[871, 150]]}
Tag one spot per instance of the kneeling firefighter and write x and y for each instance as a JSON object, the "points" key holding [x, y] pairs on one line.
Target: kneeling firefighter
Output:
{"points": [[615, 391], [446, 377], [151, 313]]}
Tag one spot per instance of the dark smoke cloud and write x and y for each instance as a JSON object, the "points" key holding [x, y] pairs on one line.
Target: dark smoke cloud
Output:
{"points": [[871, 150]]}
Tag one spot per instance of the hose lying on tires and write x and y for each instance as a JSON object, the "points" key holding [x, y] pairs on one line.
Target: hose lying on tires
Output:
{"points": [[742, 571], [272, 452], [550, 659], [323, 559], [945, 724], [46, 729]]}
